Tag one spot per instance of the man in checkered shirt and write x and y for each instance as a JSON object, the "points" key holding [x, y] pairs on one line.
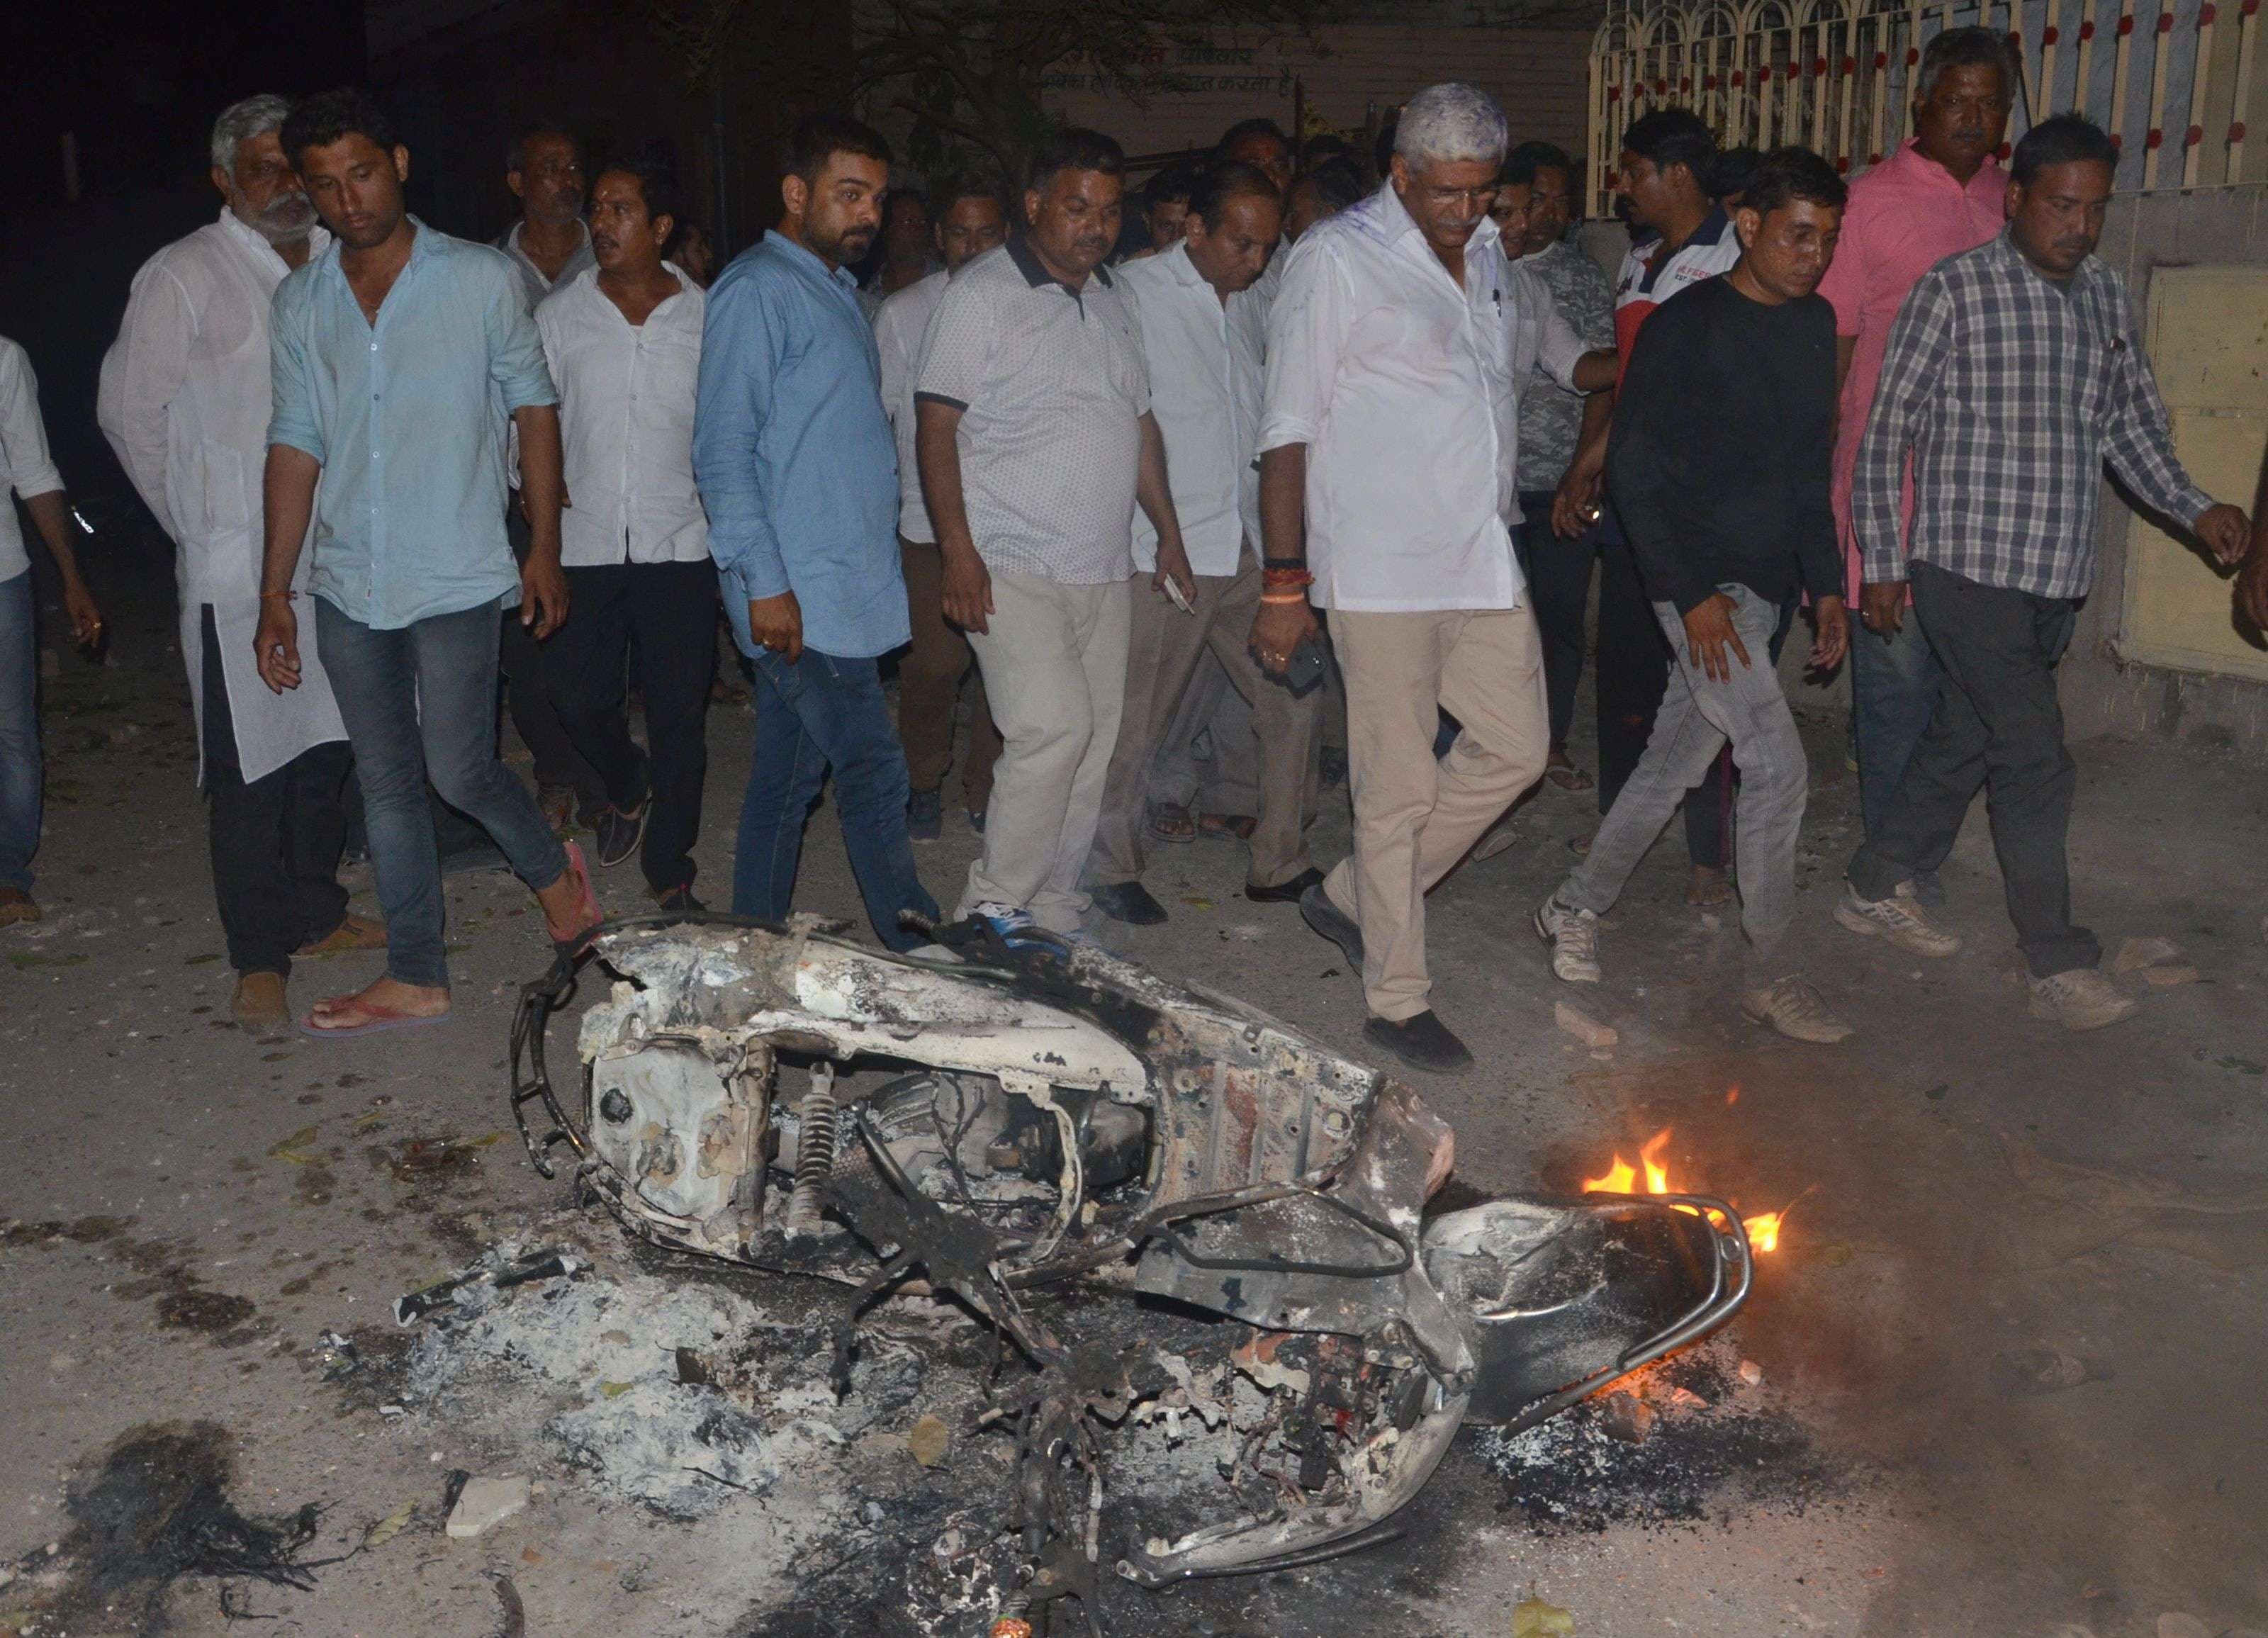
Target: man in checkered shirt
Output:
{"points": [[2013, 372]]}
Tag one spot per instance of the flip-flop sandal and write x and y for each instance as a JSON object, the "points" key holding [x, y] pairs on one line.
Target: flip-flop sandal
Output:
{"points": [[379, 1021], [593, 919], [1227, 827], [1170, 821], [1569, 779]]}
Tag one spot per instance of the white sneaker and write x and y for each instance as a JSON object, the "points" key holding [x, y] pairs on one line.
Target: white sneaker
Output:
{"points": [[1797, 1010], [1573, 936], [1900, 918], [2082, 999]]}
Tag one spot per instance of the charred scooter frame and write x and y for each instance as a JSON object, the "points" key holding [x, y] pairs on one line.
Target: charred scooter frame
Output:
{"points": [[1061, 1115]]}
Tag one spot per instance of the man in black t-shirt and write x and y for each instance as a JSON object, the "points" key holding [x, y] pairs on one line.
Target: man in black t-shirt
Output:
{"points": [[1718, 466]]}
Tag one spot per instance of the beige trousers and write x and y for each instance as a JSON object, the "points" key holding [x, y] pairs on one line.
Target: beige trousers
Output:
{"points": [[1055, 671], [1162, 655], [1414, 818]]}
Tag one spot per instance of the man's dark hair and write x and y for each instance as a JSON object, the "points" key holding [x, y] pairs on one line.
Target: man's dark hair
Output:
{"points": [[515, 156], [1073, 148], [1337, 184], [819, 137], [914, 194], [1231, 178], [973, 185], [1965, 48], [1522, 163], [2067, 139], [1668, 137], [1174, 185], [1321, 149], [1734, 171], [1790, 174], [1382, 151], [330, 116], [657, 185], [1261, 126]]}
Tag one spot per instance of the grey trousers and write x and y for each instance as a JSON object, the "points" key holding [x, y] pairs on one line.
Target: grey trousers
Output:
{"points": [[1697, 716], [1162, 655], [1055, 671]]}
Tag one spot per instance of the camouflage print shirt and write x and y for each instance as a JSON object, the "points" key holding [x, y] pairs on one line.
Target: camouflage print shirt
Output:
{"points": [[1550, 417]]}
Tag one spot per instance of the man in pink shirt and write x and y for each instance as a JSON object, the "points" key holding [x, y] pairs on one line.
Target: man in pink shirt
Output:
{"points": [[1938, 195]]}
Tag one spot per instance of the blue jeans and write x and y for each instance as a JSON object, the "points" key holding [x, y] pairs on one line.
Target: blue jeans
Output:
{"points": [[19, 733], [1894, 688], [825, 712], [421, 702]]}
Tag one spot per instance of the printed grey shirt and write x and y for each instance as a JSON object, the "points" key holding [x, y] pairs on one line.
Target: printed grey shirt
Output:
{"points": [[1550, 417]]}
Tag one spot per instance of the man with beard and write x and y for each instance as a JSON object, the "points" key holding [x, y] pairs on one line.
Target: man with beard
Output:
{"points": [[972, 219], [184, 400], [391, 354], [549, 246], [624, 343], [1938, 195], [798, 472], [1035, 440], [1201, 341], [1718, 467], [2014, 372]]}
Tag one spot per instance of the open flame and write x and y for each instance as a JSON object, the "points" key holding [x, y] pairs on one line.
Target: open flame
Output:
{"points": [[1622, 1178]]}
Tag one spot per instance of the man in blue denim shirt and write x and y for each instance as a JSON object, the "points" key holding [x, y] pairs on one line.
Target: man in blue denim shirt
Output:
{"points": [[798, 472], [396, 357]]}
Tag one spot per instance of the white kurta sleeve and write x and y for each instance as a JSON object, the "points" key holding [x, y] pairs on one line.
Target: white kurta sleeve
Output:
{"points": [[143, 374], [1307, 330]]}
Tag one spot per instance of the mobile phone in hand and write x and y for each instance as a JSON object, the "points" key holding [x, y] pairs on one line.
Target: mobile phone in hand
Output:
{"points": [[1303, 674]]}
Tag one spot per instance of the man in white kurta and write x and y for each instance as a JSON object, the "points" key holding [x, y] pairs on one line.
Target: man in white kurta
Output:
{"points": [[184, 400]]}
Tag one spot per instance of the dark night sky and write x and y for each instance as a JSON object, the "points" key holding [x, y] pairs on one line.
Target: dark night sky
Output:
{"points": [[137, 83]]}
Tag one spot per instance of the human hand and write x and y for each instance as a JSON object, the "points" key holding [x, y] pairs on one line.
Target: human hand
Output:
{"points": [[543, 595], [85, 616], [1277, 629], [1173, 564], [1832, 640], [1709, 632], [1882, 606], [1575, 504], [275, 644], [968, 588], [2225, 531], [2252, 587], [776, 624]]}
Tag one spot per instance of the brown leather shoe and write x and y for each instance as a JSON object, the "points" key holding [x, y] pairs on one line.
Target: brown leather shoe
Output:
{"points": [[17, 905], [259, 1006], [356, 933]]}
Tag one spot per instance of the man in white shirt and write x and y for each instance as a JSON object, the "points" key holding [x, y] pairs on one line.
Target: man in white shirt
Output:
{"points": [[27, 469], [1201, 340], [1397, 345], [623, 340], [972, 219], [184, 400]]}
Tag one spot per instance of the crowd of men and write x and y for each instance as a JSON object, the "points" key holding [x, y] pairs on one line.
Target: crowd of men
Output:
{"points": [[1318, 475]]}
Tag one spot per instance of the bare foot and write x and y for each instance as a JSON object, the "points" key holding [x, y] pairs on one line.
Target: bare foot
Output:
{"points": [[387, 998], [1565, 774], [1708, 889], [569, 906]]}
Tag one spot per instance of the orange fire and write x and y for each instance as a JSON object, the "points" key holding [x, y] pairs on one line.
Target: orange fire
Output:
{"points": [[1622, 1178]]}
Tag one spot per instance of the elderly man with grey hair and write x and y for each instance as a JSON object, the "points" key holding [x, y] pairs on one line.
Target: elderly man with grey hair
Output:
{"points": [[1396, 349], [184, 400]]}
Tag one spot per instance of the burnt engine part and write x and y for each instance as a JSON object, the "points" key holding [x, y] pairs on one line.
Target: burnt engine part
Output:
{"points": [[1052, 1115]]}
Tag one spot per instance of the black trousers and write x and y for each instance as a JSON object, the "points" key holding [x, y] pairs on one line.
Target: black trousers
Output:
{"points": [[1998, 725], [665, 615], [1559, 573], [275, 840], [528, 694]]}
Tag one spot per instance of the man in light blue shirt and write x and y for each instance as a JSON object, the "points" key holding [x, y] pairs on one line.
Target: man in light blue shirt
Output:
{"points": [[798, 473], [396, 357]]}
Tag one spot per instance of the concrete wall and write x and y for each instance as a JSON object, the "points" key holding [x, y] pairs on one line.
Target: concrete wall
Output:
{"points": [[2102, 691]]}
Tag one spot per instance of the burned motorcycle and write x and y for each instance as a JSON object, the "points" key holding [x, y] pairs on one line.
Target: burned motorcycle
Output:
{"points": [[1015, 1120]]}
